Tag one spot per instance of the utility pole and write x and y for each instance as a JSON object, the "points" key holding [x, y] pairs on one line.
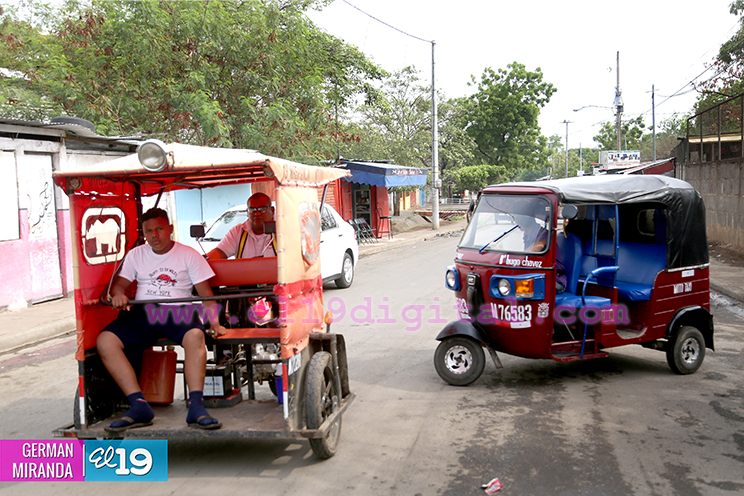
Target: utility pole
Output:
{"points": [[653, 119], [619, 106], [434, 150], [566, 123]]}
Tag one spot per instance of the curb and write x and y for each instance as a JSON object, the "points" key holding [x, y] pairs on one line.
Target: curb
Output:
{"points": [[734, 295], [372, 250], [36, 335]]}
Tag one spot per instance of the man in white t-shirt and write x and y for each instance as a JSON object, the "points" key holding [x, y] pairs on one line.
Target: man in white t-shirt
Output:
{"points": [[249, 239], [163, 270]]}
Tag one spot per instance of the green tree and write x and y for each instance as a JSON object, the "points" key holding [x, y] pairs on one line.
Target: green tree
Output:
{"points": [[477, 177], [503, 117], [397, 125], [632, 131], [252, 73]]}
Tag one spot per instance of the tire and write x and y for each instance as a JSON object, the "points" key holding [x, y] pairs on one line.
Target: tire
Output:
{"points": [[347, 272], [321, 400], [76, 409], [686, 351], [272, 386], [459, 361]]}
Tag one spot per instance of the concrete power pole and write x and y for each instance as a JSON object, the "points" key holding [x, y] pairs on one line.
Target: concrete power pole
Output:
{"points": [[566, 123], [619, 106], [434, 150]]}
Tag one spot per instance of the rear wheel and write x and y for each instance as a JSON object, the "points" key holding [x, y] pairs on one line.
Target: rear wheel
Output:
{"points": [[347, 272], [686, 351], [321, 401], [459, 360]]}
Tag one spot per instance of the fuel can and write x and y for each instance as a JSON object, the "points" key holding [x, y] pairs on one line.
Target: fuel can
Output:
{"points": [[158, 375]]}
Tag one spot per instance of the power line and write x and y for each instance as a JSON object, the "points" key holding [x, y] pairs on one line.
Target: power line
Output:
{"points": [[386, 24]]}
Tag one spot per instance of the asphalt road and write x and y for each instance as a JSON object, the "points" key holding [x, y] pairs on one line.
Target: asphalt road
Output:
{"points": [[615, 426]]}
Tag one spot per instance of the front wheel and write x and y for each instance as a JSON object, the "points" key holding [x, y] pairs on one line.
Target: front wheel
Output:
{"points": [[347, 272], [321, 400], [685, 353], [459, 361]]}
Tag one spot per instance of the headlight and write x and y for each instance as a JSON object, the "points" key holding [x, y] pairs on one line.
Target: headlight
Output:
{"points": [[452, 279], [152, 155], [504, 287]]}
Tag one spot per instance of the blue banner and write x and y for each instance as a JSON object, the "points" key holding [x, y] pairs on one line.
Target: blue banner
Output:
{"points": [[126, 460]]}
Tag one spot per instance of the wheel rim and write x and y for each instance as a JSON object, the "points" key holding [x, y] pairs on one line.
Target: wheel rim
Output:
{"points": [[329, 402], [348, 269], [458, 359], [690, 351]]}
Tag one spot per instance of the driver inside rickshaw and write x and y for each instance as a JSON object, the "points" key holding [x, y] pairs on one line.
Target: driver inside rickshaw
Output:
{"points": [[531, 217]]}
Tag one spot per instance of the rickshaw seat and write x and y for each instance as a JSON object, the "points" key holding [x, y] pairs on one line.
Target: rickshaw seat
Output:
{"points": [[244, 272], [639, 264], [570, 254]]}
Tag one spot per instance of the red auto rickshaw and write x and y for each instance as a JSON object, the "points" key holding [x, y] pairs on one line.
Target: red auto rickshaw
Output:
{"points": [[306, 363], [566, 269]]}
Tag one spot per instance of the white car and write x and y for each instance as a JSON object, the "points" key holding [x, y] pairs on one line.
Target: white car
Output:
{"points": [[339, 250]]}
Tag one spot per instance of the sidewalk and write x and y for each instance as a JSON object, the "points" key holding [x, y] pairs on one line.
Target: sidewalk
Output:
{"points": [[56, 318]]}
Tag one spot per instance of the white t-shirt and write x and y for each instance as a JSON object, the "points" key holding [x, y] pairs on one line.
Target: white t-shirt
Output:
{"points": [[261, 245], [170, 275]]}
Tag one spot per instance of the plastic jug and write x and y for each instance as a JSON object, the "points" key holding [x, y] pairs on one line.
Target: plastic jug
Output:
{"points": [[158, 375]]}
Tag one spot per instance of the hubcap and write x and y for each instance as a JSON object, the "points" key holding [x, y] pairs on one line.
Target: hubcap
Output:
{"points": [[458, 359], [348, 269], [690, 350]]}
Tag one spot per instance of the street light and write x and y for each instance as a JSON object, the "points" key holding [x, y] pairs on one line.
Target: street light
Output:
{"points": [[595, 106]]}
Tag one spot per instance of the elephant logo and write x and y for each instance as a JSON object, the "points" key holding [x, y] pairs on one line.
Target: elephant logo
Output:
{"points": [[103, 234]]}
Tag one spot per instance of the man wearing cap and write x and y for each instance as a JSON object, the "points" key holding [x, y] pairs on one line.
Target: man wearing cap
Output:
{"points": [[249, 239]]}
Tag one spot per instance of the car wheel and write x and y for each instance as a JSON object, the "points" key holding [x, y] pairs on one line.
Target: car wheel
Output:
{"points": [[685, 353], [347, 272], [459, 361]]}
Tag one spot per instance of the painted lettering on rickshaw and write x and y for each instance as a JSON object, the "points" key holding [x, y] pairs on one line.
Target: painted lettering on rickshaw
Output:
{"points": [[519, 262]]}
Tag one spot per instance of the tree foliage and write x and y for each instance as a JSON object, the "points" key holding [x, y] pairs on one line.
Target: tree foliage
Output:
{"points": [[477, 177], [631, 134], [503, 113], [251, 73]]}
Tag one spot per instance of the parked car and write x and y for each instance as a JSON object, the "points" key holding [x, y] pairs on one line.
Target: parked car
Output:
{"points": [[339, 249]]}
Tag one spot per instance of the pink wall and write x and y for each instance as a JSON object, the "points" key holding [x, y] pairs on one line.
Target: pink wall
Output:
{"points": [[15, 270], [26, 270]]}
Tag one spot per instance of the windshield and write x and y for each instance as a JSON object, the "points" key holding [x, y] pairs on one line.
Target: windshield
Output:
{"points": [[510, 223], [226, 221]]}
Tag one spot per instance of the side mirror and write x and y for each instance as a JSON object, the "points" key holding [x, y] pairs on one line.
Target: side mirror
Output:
{"points": [[569, 211], [270, 227], [197, 231]]}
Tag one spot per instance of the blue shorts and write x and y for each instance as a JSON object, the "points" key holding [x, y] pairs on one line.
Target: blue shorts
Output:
{"points": [[141, 327]]}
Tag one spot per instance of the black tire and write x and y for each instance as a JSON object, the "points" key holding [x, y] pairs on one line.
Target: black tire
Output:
{"points": [[347, 272], [686, 351], [321, 400], [272, 386], [459, 360], [76, 409]]}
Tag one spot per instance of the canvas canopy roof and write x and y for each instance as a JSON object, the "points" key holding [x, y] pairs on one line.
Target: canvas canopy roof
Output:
{"points": [[198, 167], [385, 175]]}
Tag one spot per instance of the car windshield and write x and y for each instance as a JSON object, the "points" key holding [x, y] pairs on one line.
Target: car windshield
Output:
{"points": [[224, 224], [509, 223]]}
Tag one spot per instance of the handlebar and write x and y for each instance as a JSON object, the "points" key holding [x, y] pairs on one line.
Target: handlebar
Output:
{"points": [[256, 294]]}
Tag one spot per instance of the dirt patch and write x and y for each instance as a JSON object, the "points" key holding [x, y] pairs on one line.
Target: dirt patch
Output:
{"points": [[726, 254]]}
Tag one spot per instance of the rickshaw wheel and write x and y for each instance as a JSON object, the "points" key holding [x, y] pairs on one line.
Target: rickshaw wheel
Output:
{"points": [[321, 400], [686, 351], [459, 361]]}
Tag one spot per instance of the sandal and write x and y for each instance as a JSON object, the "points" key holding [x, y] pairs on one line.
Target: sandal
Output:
{"points": [[129, 423], [207, 427]]}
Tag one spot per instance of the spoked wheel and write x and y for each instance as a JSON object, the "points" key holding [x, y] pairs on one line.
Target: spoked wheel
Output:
{"points": [[459, 360], [347, 272], [686, 351], [321, 401]]}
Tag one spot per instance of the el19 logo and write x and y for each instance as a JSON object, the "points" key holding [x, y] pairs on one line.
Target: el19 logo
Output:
{"points": [[135, 460]]}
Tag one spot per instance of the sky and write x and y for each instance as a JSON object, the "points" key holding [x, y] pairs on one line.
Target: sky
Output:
{"points": [[661, 43]]}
